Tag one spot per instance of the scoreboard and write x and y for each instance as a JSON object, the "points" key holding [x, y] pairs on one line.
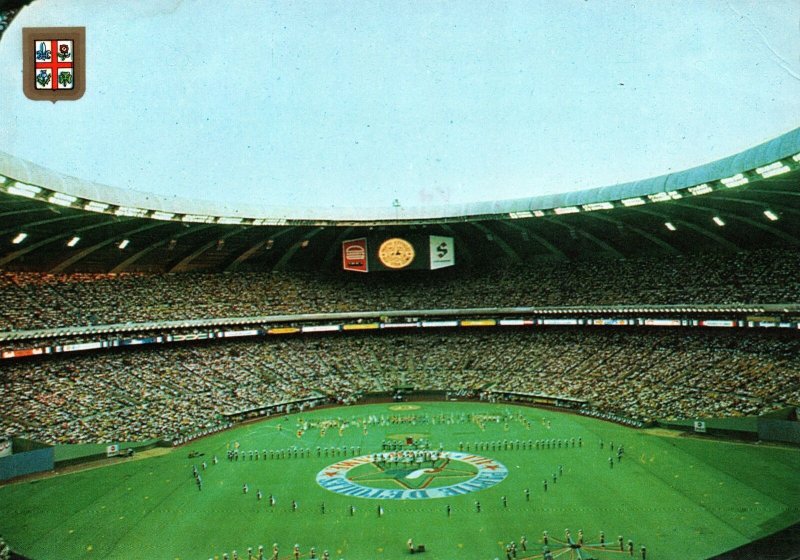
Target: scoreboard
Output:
{"points": [[392, 253]]}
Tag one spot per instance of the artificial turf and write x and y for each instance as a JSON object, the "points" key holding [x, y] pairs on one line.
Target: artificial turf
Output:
{"points": [[681, 497]]}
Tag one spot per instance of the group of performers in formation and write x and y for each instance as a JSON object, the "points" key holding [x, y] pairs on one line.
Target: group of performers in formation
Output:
{"points": [[401, 445], [410, 458], [259, 554], [196, 474], [511, 445], [549, 544], [570, 542], [293, 452], [511, 548]]}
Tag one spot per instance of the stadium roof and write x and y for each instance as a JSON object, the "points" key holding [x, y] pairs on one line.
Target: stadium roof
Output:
{"points": [[765, 154], [56, 223]]}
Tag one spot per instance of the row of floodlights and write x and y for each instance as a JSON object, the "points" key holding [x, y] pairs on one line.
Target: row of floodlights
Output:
{"points": [[123, 244], [20, 237], [770, 215], [31, 191], [61, 199], [765, 172], [73, 241]]}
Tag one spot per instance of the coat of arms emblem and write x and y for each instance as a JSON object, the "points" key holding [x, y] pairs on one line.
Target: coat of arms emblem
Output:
{"points": [[54, 63]]}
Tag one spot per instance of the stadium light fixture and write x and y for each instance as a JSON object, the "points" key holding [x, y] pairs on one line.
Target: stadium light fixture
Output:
{"points": [[598, 206], [719, 221], [93, 206], [517, 215], [22, 189], [538, 213], [777, 168], [664, 196], [638, 201], [74, 241], [796, 158], [197, 218], [670, 226], [735, 181], [700, 189], [124, 243], [229, 221], [165, 216], [567, 210], [131, 212], [2, 180], [62, 199], [771, 216], [19, 238]]}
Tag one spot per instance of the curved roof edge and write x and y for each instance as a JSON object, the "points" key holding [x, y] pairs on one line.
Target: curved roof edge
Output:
{"points": [[24, 171]]}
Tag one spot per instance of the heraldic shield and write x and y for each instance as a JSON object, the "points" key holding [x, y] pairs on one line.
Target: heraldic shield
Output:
{"points": [[54, 63]]}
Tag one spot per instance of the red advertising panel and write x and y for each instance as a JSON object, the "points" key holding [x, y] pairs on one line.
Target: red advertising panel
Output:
{"points": [[23, 352], [354, 255]]}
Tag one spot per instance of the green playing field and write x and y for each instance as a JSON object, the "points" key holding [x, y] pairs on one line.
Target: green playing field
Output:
{"points": [[681, 497]]}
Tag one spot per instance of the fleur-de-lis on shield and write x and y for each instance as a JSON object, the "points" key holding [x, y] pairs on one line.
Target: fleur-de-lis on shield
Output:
{"points": [[63, 53], [43, 78], [64, 78], [42, 53]]}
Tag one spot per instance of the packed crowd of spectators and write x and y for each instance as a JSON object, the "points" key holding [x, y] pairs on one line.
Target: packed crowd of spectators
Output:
{"points": [[34, 300], [176, 391]]}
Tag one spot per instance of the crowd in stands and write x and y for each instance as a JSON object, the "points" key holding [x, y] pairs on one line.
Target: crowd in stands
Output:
{"points": [[34, 300], [176, 391]]}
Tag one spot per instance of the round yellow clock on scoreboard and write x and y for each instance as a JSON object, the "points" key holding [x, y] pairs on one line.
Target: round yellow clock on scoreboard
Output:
{"points": [[396, 253]]}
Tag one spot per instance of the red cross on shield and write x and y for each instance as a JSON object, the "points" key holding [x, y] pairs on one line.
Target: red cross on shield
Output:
{"points": [[54, 63]]}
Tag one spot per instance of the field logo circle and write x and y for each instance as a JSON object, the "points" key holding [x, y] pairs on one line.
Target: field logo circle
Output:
{"points": [[471, 473]]}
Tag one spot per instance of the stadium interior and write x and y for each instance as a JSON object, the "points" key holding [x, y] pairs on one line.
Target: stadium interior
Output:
{"points": [[123, 323]]}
